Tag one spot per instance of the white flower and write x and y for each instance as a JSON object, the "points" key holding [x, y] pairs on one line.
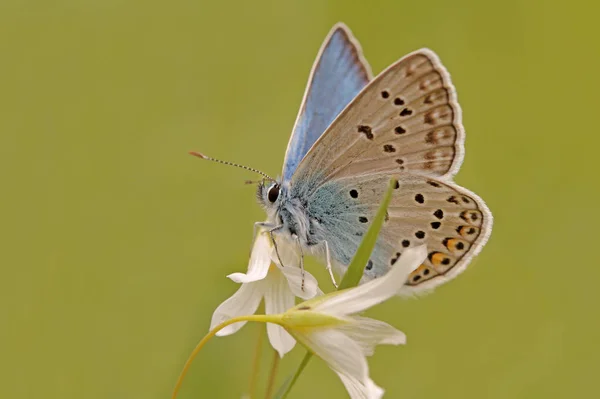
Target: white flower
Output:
{"points": [[328, 327], [278, 285]]}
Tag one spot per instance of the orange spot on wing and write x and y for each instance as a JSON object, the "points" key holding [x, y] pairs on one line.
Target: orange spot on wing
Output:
{"points": [[455, 245]]}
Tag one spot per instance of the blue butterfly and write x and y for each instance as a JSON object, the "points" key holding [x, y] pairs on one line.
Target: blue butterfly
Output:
{"points": [[353, 134]]}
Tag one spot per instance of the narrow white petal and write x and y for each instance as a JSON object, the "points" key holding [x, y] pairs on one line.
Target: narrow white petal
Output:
{"points": [[338, 350], [245, 301], [361, 390], [260, 260], [280, 339], [367, 333], [278, 299], [294, 280], [373, 391], [288, 253], [359, 298]]}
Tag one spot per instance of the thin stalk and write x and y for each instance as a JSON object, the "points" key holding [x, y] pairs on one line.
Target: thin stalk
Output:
{"points": [[299, 371], [260, 318], [256, 363], [272, 375]]}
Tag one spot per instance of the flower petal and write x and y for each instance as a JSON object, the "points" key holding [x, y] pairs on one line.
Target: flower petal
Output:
{"points": [[360, 390], [289, 254], [364, 296], [367, 333], [294, 280], [244, 302], [278, 299], [338, 350], [260, 260]]}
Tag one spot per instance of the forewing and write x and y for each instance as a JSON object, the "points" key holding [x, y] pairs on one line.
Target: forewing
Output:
{"points": [[337, 76], [453, 222], [406, 119]]}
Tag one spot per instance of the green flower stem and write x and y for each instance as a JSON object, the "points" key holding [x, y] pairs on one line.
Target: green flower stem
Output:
{"points": [[272, 375], [260, 318], [288, 385], [256, 363], [353, 274]]}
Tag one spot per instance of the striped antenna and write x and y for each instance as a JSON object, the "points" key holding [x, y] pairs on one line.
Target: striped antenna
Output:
{"points": [[202, 156]]}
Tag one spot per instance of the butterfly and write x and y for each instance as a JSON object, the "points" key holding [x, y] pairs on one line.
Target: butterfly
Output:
{"points": [[354, 133]]}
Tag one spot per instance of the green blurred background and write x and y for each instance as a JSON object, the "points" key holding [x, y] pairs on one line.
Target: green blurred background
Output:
{"points": [[116, 243]]}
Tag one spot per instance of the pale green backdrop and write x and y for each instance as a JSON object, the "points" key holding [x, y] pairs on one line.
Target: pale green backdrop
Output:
{"points": [[115, 243]]}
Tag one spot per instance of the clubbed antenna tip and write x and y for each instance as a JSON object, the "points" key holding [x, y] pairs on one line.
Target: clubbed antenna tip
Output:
{"points": [[199, 155]]}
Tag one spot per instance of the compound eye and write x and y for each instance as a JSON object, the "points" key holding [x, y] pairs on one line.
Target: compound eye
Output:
{"points": [[273, 193]]}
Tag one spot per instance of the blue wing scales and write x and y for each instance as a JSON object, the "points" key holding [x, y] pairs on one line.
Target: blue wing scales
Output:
{"points": [[338, 75]]}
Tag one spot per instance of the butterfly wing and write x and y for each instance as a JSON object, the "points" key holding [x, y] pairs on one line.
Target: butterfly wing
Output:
{"points": [[337, 76], [451, 221], [406, 123], [406, 119]]}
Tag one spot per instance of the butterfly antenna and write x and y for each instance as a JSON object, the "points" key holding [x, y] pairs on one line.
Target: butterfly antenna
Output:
{"points": [[202, 156]]}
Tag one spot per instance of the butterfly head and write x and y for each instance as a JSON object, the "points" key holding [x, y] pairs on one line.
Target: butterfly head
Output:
{"points": [[269, 194]]}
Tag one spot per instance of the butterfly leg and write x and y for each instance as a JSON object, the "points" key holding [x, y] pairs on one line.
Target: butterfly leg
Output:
{"points": [[265, 225], [270, 229], [329, 269], [301, 259], [275, 243]]}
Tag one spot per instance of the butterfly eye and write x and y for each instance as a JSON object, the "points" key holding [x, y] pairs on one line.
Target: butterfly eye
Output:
{"points": [[273, 193]]}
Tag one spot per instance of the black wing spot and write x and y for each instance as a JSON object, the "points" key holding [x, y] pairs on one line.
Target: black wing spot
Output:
{"points": [[426, 272], [366, 130], [465, 230], [363, 219], [399, 130], [416, 278], [406, 112], [398, 101], [452, 199], [354, 193], [385, 94], [433, 183], [397, 185], [394, 260], [460, 246], [438, 214], [466, 215], [405, 243], [369, 265], [419, 198], [420, 234], [435, 225], [434, 258], [466, 200], [389, 148]]}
